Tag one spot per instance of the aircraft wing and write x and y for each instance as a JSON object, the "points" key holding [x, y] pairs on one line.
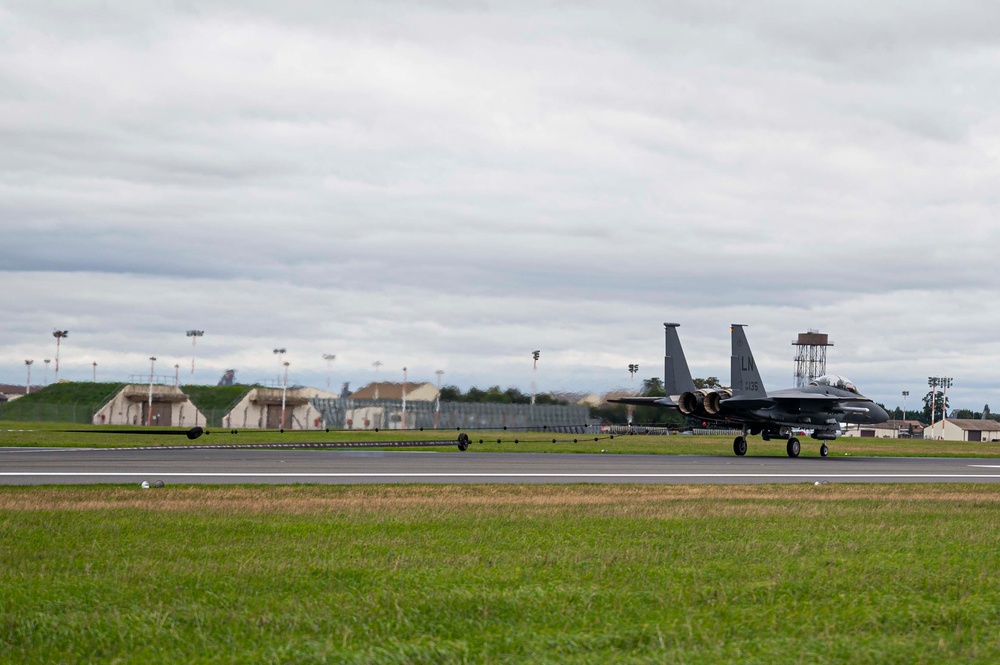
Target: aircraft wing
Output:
{"points": [[787, 399], [644, 401], [796, 395]]}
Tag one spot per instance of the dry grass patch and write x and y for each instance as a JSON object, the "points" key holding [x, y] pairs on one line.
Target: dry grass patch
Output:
{"points": [[623, 500]]}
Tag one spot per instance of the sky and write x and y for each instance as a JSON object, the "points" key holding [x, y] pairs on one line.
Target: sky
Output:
{"points": [[443, 185]]}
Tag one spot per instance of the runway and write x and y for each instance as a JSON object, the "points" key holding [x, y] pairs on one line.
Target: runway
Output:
{"points": [[61, 466]]}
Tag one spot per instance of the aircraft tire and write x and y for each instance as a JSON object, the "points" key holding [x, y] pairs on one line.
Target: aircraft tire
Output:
{"points": [[824, 450], [793, 447], [740, 446]]}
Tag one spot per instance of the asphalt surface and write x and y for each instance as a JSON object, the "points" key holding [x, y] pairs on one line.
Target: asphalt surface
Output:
{"points": [[37, 466]]}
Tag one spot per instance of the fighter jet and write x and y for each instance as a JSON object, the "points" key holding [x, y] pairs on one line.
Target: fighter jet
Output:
{"points": [[821, 406]]}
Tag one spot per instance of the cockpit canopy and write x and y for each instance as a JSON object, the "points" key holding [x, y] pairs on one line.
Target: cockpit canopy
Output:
{"points": [[835, 381]]}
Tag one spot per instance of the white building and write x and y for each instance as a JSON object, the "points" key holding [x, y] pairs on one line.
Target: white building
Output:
{"points": [[955, 429], [415, 392], [891, 429], [261, 408], [170, 408]]}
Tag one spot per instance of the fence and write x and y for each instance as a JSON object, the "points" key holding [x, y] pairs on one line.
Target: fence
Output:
{"points": [[659, 430], [342, 413], [79, 412], [388, 414], [15, 410]]}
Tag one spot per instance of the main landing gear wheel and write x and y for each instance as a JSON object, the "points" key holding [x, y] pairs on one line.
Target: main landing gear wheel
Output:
{"points": [[793, 447], [824, 451], [740, 446]]}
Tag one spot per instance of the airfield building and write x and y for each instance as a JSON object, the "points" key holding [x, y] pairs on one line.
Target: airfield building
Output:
{"points": [[261, 408], [130, 406], [415, 392], [890, 429], [961, 429]]}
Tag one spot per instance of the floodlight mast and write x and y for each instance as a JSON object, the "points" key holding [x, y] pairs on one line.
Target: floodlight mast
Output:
{"points": [[194, 335], [632, 369], [329, 358], [284, 391], [403, 421], [376, 365], [437, 400], [149, 409], [534, 371], [27, 385], [932, 381], [59, 335], [906, 393], [281, 354], [95, 371], [945, 383]]}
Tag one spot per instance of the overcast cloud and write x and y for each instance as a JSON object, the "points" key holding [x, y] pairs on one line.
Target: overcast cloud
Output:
{"points": [[449, 185]]}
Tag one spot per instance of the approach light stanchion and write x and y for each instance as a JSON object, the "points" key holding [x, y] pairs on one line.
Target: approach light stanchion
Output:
{"points": [[463, 441]]}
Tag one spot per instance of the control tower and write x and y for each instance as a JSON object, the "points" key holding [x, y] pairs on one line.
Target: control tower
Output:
{"points": [[810, 356]]}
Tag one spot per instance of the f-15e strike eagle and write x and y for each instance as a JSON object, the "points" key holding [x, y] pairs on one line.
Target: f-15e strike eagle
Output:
{"points": [[821, 406]]}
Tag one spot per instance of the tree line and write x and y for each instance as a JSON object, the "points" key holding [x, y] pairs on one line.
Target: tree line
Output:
{"points": [[494, 394], [941, 407]]}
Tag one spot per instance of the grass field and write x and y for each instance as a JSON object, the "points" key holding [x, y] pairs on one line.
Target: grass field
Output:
{"points": [[47, 434], [501, 574]]}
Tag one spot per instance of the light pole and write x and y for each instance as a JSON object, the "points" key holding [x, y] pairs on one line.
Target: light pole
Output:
{"points": [[149, 409], [284, 391], [403, 421], [281, 354], [437, 400], [534, 371], [632, 369], [59, 335], [945, 383], [932, 381], [906, 393], [177, 374], [376, 365], [47, 361], [27, 385], [95, 371], [194, 335], [329, 358]]}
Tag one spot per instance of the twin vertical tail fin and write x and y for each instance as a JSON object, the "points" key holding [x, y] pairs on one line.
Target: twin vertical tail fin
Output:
{"points": [[746, 380], [676, 375]]}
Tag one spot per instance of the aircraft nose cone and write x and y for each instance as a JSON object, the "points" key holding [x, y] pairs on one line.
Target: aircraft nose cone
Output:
{"points": [[880, 415]]}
